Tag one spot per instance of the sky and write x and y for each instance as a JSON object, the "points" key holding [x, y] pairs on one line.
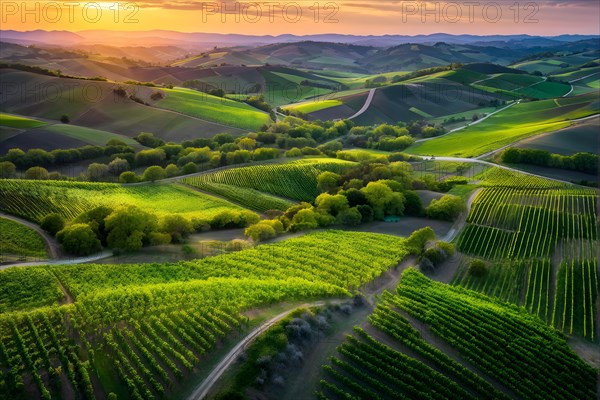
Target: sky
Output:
{"points": [[360, 17]]}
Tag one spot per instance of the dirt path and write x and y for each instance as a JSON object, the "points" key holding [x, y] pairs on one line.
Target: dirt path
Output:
{"points": [[365, 106], [51, 244], [204, 388], [62, 261], [469, 124]]}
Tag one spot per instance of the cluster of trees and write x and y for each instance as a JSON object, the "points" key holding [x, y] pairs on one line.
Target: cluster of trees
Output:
{"points": [[391, 137], [584, 162], [447, 208], [42, 158], [129, 228], [363, 194]]}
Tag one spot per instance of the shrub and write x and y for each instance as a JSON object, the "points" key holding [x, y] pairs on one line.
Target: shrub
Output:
{"points": [[259, 232], [38, 173], [128, 177], [477, 268], [78, 239], [154, 173], [446, 208], [7, 169], [52, 223]]}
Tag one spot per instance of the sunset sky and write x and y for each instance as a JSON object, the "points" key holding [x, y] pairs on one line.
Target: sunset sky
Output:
{"points": [[362, 17]]}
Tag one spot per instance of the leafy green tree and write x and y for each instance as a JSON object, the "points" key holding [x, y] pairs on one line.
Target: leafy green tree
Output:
{"points": [[97, 171], [95, 219], [328, 181], [189, 168], [52, 223], [154, 173], [171, 170], [78, 239], [259, 232], [128, 228], [412, 205], [38, 173], [350, 216], [304, 219], [128, 177], [446, 208], [118, 166], [177, 226], [7, 170], [332, 205]]}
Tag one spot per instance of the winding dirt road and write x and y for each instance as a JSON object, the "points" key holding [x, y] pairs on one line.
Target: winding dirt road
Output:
{"points": [[51, 244]]}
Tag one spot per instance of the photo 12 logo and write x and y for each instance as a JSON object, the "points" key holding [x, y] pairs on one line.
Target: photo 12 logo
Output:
{"points": [[255, 12], [68, 12], [468, 11]]}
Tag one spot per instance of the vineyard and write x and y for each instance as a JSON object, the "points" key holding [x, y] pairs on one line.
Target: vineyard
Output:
{"points": [[19, 240], [403, 353], [294, 180], [141, 330], [35, 199], [542, 245]]}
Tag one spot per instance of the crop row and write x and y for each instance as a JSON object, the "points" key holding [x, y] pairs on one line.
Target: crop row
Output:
{"points": [[295, 180]]}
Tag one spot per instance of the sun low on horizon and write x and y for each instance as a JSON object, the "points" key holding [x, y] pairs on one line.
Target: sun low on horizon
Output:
{"points": [[357, 17]]}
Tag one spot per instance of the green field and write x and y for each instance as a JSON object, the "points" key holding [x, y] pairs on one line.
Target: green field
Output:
{"points": [[293, 180], [310, 107], [539, 239], [212, 108], [35, 199], [518, 122], [394, 356], [139, 330], [16, 121], [19, 240]]}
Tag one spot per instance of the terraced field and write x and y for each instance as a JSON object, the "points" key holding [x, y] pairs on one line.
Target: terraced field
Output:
{"points": [[35, 199]]}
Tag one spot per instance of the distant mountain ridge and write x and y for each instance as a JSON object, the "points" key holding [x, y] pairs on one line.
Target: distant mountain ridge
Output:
{"points": [[196, 40]]}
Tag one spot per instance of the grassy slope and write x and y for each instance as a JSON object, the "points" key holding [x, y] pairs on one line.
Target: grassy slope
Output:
{"points": [[16, 121], [212, 108], [34, 199], [518, 122]]}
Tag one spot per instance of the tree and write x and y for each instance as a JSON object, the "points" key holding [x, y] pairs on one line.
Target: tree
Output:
{"points": [[97, 171], [304, 219], [154, 173], [150, 157], [148, 140], [171, 170], [190, 168], [78, 239], [118, 166], [177, 226], [350, 216], [412, 205], [477, 268], [128, 177], [52, 223], [293, 152], [222, 138], [417, 240], [39, 173], [95, 218], [259, 232], [128, 228], [247, 143], [332, 205], [7, 170], [446, 208], [65, 119], [328, 181]]}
